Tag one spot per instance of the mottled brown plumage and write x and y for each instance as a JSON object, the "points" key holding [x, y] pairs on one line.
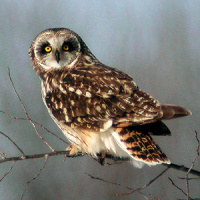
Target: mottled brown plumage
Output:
{"points": [[100, 109]]}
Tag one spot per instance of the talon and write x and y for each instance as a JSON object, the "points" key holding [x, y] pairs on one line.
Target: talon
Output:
{"points": [[72, 151], [102, 158], [102, 161]]}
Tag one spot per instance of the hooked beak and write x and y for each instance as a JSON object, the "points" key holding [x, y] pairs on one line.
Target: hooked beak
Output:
{"points": [[57, 54]]}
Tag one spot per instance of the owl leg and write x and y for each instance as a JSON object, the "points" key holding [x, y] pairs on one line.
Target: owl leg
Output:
{"points": [[102, 157], [73, 151]]}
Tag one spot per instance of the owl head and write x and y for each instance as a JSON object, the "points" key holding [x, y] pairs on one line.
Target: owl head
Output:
{"points": [[56, 48]]}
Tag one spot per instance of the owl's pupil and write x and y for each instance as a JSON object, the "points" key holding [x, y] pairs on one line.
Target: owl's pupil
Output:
{"points": [[65, 47], [47, 49]]}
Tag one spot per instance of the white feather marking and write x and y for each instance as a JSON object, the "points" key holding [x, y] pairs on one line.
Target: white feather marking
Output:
{"points": [[98, 108], [107, 125], [88, 94], [67, 118], [71, 89], [79, 92], [72, 102], [64, 110]]}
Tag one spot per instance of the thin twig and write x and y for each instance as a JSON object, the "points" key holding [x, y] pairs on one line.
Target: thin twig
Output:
{"points": [[12, 116], [129, 188], [106, 181], [189, 179], [26, 113], [8, 171], [13, 143], [177, 186], [146, 185], [35, 177], [192, 165], [13, 86], [50, 147], [42, 126], [150, 195], [54, 134]]}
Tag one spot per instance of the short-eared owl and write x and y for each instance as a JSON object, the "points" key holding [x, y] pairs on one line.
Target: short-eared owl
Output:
{"points": [[100, 109]]}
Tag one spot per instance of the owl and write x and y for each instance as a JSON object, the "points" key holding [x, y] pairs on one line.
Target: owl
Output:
{"points": [[100, 109]]}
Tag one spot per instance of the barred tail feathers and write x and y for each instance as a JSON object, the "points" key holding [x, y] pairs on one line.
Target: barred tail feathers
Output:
{"points": [[140, 146]]}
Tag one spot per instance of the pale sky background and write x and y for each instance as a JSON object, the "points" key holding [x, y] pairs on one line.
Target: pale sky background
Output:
{"points": [[156, 42]]}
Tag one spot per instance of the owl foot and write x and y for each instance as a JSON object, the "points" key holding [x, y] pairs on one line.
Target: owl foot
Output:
{"points": [[72, 151], [102, 157]]}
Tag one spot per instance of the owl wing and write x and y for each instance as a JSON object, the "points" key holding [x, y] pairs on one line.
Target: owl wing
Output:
{"points": [[100, 97]]}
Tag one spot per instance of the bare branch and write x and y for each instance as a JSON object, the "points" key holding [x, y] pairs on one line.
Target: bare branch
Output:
{"points": [[189, 171], [106, 181], [189, 179], [150, 195], [50, 147], [36, 176], [57, 136], [13, 86], [177, 186], [182, 168], [126, 187], [13, 143], [146, 185], [12, 116], [26, 113], [192, 165], [8, 171], [46, 129], [34, 156]]}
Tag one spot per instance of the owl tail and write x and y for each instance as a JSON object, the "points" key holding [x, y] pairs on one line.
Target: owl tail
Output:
{"points": [[173, 111], [138, 143]]}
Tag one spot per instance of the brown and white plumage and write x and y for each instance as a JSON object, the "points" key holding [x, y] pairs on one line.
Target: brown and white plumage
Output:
{"points": [[100, 109]]}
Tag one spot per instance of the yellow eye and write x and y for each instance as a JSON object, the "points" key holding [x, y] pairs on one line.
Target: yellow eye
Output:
{"points": [[65, 47], [48, 49]]}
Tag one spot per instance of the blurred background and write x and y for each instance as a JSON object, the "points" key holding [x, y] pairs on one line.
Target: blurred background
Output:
{"points": [[156, 42]]}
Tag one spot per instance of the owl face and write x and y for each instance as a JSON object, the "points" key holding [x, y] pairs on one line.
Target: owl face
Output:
{"points": [[55, 48]]}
